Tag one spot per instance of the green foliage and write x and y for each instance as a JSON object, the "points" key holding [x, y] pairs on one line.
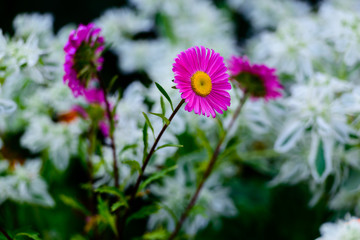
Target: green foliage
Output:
{"points": [[166, 95], [149, 123], [106, 217], [145, 140], [144, 212], [157, 176], [169, 145], [71, 202], [162, 117], [134, 165]]}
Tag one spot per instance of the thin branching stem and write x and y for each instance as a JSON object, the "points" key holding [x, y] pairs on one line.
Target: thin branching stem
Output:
{"points": [[208, 170]]}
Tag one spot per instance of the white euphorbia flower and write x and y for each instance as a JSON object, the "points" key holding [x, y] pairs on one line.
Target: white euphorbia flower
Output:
{"points": [[264, 13], [348, 229], [315, 110], [24, 184], [118, 24], [37, 24]]}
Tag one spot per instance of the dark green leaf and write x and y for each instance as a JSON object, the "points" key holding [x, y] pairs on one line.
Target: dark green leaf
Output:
{"points": [[320, 162], [162, 103], [110, 190], [161, 116], [74, 204], [158, 234], [112, 81], [149, 123], [156, 176], [162, 90]]}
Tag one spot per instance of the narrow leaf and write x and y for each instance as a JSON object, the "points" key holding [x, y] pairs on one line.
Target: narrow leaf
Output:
{"points": [[34, 236], [161, 116], [110, 190], [112, 81], [162, 90], [156, 176], [149, 123], [118, 204], [158, 234], [169, 145], [74, 204], [162, 103], [145, 140], [127, 147], [106, 215]]}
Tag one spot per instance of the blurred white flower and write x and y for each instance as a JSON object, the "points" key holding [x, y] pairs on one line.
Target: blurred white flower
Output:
{"points": [[348, 229]]}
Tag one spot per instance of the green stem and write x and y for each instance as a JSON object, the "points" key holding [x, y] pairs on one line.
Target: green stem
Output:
{"points": [[208, 170], [148, 157]]}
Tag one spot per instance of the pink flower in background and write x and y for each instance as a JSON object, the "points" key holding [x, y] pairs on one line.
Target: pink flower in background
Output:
{"points": [[83, 57], [94, 95], [259, 81], [202, 79]]}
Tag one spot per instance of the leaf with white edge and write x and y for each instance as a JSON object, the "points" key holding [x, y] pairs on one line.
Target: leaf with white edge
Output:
{"points": [[149, 123], [320, 157], [144, 212], [289, 136], [74, 204], [31, 235], [169, 145], [162, 90], [145, 140], [106, 215], [134, 165], [157, 176], [161, 116]]}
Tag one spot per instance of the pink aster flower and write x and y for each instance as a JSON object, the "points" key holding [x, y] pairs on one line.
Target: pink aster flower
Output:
{"points": [[94, 95], [259, 81], [202, 79], [83, 57]]}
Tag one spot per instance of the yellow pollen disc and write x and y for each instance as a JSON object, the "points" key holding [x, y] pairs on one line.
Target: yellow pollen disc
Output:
{"points": [[201, 83]]}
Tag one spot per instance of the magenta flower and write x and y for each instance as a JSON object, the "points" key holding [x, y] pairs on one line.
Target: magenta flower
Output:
{"points": [[94, 95], [202, 80], [259, 81], [83, 57]]}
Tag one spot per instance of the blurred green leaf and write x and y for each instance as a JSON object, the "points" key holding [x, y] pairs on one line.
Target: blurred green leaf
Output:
{"points": [[134, 165], [110, 190], [161, 116], [156, 176], [31, 235], [169, 145], [118, 204], [162, 103], [145, 140], [106, 215], [157, 234], [162, 90], [71, 202], [320, 161]]}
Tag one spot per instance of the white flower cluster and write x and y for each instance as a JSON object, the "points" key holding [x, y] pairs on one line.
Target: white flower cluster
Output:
{"points": [[348, 229]]}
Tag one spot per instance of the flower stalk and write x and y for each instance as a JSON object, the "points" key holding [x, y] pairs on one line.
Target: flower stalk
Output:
{"points": [[208, 170]]}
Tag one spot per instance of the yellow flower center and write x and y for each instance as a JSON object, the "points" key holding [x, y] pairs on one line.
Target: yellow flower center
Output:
{"points": [[201, 83]]}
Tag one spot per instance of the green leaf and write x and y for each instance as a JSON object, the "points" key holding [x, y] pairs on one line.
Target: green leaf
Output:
{"points": [[110, 190], [204, 141], [78, 237], [74, 204], [161, 116], [169, 145], [112, 81], [127, 147], [156, 176], [20, 236], [158, 234], [149, 123], [119, 204], [144, 212], [162, 90], [320, 162], [106, 215], [134, 165], [162, 103], [145, 140]]}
